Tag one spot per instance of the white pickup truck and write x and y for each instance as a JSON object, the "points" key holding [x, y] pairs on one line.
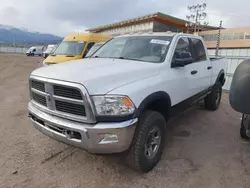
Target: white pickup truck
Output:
{"points": [[120, 99]]}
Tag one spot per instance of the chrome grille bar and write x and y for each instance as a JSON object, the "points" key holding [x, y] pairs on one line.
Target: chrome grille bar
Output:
{"points": [[37, 85], [70, 108], [67, 92], [39, 99], [73, 101]]}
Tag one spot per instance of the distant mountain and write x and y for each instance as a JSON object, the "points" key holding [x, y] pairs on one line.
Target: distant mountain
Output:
{"points": [[10, 35], [6, 27]]}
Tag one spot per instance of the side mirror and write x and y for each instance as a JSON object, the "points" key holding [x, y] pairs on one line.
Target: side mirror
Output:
{"points": [[181, 59], [178, 63]]}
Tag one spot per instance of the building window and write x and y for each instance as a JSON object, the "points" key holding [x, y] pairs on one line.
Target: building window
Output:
{"points": [[231, 36], [241, 35], [236, 36], [226, 36], [215, 37], [247, 36]]}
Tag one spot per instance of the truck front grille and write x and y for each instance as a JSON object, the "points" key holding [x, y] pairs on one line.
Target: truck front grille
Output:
{"points": [[38, 85], [67, 92], [76, 109], [39, 99], [60, 100]]}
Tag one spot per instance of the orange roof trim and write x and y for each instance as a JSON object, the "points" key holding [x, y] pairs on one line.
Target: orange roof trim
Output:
{"points": [[158, 16]]}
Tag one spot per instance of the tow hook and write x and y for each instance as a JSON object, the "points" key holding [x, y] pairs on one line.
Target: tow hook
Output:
{"points": [[71, 134]]}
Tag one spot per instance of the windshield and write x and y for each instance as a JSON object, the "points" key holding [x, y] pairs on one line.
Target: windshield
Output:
{"points": [[70, 48], [50, 49], [95, 47], [139, 48]]}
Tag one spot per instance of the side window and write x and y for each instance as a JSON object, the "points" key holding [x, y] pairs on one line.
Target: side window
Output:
{"points": [[182, 49], [199, 53], [90, 44]]}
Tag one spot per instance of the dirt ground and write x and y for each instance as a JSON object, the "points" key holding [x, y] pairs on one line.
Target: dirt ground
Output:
{"points": [[204, 149]]}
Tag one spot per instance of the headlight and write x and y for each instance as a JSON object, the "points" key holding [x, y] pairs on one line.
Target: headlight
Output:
{"points": [[113, 105]]}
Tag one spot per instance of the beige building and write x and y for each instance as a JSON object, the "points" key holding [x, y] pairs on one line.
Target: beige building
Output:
{"points": [[155, 22], [229, 38]]}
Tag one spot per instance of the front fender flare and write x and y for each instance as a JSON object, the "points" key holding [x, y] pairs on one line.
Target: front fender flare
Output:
{"points": [[160, 95]]}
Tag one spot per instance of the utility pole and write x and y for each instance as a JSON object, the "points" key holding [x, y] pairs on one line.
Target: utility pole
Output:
{"points": [[196, 19], [13, 39], [199, 15], [218, 41]]}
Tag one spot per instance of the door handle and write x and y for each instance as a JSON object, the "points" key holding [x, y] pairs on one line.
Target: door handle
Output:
{"points": [[208, 68], [194, 72]]}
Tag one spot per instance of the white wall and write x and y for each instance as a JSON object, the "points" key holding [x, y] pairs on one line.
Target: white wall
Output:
{"points": [[148, 26], [234, 58]]}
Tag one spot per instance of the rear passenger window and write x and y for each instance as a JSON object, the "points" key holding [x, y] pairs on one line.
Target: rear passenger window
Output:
{"points": [[199, 53]]}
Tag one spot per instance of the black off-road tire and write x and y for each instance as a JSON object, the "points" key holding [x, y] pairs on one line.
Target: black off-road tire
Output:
{"points": [[211, 102], [135, 157], [243, 132]]}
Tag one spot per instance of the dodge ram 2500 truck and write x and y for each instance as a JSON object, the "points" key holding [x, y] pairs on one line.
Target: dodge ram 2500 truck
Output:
{"points": [[120, 99]]}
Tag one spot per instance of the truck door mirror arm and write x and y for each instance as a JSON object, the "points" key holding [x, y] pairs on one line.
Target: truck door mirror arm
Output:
{"points": [[181, 62]]}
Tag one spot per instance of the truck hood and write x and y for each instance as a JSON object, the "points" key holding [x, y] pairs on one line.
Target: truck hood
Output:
{"points": [[99, 75], [60, 58]]}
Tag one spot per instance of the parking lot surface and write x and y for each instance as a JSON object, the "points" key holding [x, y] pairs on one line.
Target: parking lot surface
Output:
{"points": [[203, 148]]}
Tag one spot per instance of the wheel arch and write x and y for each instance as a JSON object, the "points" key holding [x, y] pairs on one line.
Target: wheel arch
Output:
{"points": [[221, 77], [159, 101]]}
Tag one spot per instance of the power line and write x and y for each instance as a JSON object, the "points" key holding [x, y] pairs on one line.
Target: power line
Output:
{"points": [[199, 15], [233, 15]]}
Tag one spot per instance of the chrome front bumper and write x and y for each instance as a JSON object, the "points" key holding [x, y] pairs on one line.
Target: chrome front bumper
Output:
{"points": [[95, 138]]}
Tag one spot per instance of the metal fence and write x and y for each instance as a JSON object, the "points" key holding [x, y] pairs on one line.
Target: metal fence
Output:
{"points": [[11, 49], [234, 58]]}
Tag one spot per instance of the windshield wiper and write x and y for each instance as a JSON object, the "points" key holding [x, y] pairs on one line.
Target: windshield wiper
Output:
{"points": [[107, 57], [53, 54], [117, 57], [70, 55]]}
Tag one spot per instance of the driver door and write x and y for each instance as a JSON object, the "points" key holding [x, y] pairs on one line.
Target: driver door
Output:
{"points": [[183, 74]]}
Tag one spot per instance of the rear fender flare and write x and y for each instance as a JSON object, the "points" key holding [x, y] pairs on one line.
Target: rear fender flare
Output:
{"points": [[219, 75]]}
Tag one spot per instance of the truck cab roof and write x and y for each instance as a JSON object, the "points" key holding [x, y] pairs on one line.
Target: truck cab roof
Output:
{"points": [[158, 34], [93, 37]]}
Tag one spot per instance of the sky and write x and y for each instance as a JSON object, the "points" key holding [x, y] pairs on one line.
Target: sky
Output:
{"points": [[61, 17]]}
